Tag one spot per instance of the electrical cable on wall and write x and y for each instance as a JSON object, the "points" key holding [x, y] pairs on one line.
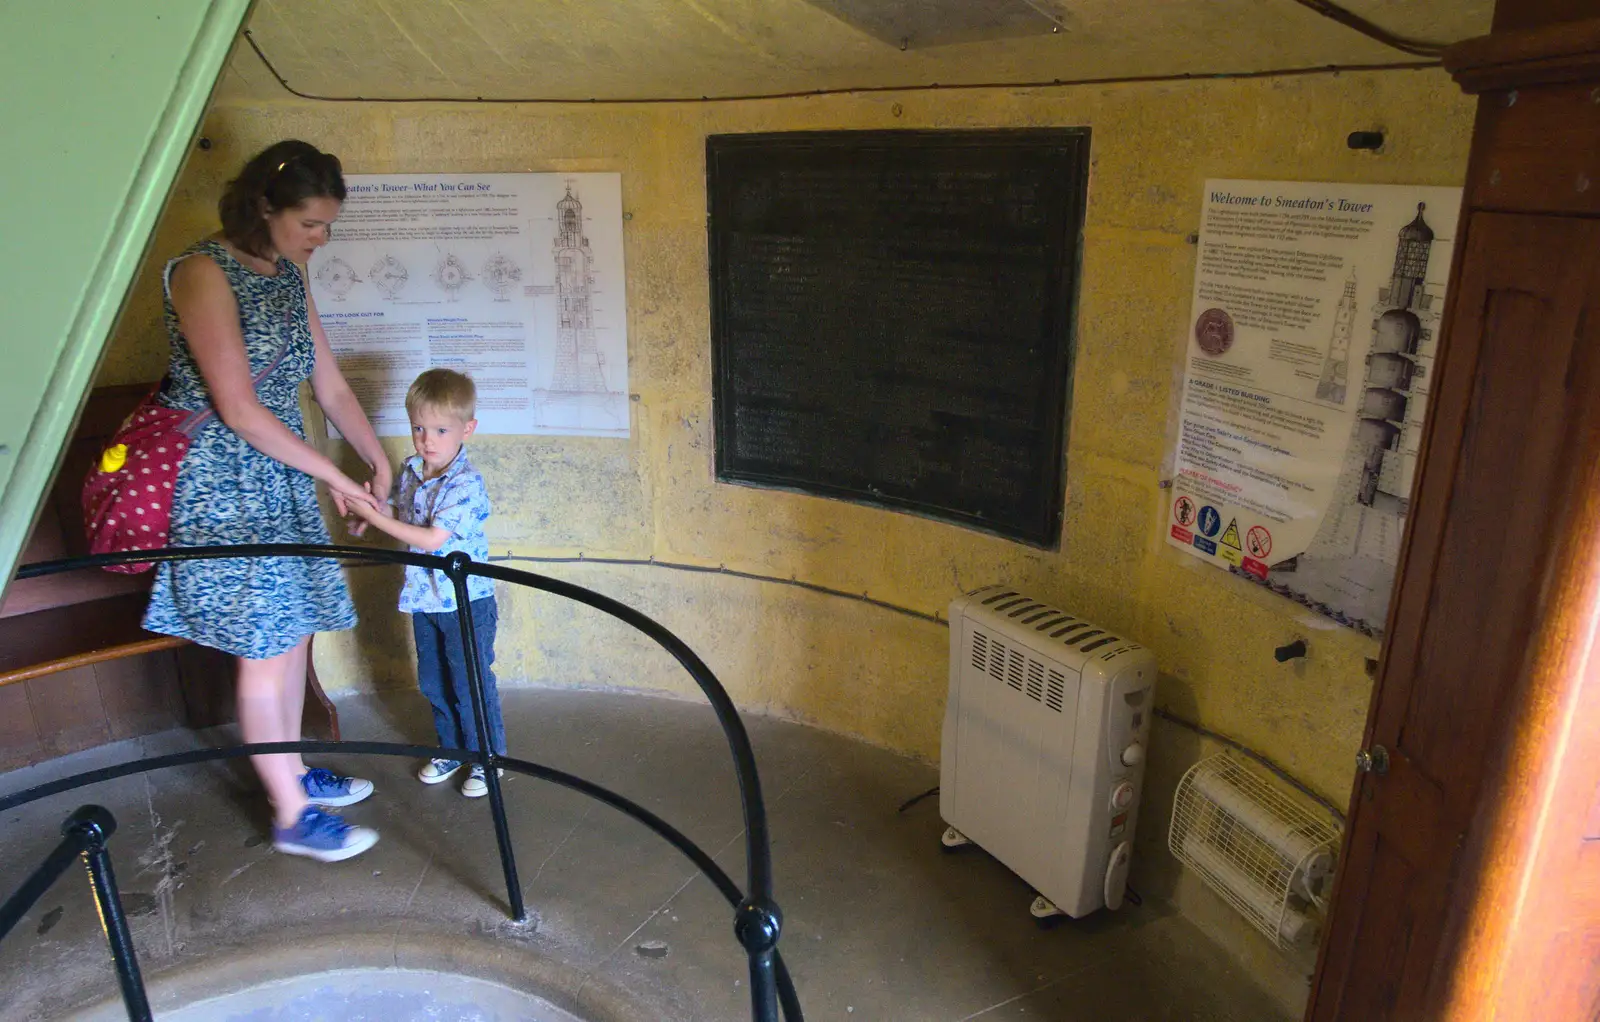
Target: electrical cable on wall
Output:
{"points": [[1238, 746], [1167, 715], [1350, 19], [1053, 83], [722, 569], [1205, 732]]}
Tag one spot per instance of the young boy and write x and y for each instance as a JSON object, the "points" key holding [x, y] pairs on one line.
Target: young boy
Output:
{"points": [[440, 506]]}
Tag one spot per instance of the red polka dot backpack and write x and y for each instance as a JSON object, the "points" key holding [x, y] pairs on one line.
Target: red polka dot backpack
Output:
{"points": [[127, 499]]}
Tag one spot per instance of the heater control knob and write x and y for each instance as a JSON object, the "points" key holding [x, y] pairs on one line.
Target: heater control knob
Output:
{"points": [[1122, 796], [1133, 755], [1116, 884]]}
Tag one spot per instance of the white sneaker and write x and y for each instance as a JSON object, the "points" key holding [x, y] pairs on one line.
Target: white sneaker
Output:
{"points": [[477, 785], [436, 770]]}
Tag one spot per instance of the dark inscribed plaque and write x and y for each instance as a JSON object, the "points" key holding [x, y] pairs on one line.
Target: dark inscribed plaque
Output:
{"points": [[892, 317]]}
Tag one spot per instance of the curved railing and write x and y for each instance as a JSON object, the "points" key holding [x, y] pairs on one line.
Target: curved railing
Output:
{"points": [[757, 919], [84, 836]]}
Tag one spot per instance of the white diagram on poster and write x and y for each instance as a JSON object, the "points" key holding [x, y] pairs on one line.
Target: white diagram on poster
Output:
{"points": [[336, 278], [1314, 323], [515, 279], [502, 275], [389, 275], [451, 276]]}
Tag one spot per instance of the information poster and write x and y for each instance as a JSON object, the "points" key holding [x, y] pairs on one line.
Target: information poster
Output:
{"points": [[514, 279], [1311, 342]]}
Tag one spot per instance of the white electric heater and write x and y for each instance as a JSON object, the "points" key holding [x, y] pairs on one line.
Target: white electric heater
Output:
{"points": [[1267, 851], [1044, 744]]}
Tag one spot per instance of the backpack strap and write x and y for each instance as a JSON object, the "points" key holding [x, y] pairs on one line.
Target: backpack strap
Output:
{"points": [[199, 418]]}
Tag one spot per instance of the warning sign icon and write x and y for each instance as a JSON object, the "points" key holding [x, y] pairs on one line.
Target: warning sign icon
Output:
{"points": [[1230, 535], [1260, 541], [1184, 511]]}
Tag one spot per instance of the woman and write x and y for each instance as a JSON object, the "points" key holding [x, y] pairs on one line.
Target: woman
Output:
{"points": [[244, 334]]}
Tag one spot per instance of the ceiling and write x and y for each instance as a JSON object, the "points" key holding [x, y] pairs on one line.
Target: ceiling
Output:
{"points": [[654, 49]]}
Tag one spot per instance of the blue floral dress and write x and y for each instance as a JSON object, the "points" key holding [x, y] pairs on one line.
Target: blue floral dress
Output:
{"points": [[229, 492]]}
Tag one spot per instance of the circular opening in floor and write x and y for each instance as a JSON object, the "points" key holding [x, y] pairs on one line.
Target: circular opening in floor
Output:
{"points": [[373, 995]]}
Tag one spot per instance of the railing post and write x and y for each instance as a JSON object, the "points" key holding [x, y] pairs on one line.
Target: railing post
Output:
{"points": [[456, 569], [92, 825], [757, 925]]}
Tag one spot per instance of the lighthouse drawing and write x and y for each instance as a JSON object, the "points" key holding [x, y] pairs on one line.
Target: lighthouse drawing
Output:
{"points": [[578, 364], [579, 396], [1331, 386], [1354, 550]]}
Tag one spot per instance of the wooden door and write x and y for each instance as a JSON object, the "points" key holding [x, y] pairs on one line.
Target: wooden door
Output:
{"points": [[1518, 368]]}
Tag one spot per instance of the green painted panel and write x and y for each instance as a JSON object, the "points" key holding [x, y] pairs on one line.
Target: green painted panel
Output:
{"points": [[102, 99]]}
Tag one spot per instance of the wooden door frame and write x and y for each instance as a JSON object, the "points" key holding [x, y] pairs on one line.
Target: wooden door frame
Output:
{"points": [[1521, 928], [1522, 937]]}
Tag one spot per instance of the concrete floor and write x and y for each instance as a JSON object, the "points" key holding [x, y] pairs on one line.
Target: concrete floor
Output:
{"points": [[879, 924], [379, 995]]}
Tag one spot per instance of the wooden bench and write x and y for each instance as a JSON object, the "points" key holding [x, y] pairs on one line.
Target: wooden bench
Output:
{"points": [[77, 670]]}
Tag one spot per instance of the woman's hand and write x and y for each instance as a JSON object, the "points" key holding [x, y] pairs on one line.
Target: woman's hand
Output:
{"points": [[382, 481], [363, 514], [368, 513], [349, 494], [339, 403]]}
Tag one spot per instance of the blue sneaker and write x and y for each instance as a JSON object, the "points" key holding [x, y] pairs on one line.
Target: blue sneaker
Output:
{"points": [[326, 788], [323, 836]]}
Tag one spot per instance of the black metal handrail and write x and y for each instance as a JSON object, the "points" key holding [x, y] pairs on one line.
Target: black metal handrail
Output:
{"points": [[757, 919], [84, 834]]}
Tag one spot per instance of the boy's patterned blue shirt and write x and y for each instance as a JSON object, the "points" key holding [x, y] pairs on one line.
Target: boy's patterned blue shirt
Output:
{"points": [[457, 500]]}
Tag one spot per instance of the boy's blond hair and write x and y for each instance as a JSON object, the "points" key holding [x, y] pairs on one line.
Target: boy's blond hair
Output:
{"points": [[443, 390]]}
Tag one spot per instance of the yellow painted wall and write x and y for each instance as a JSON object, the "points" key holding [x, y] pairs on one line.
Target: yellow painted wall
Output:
{"points": [[837, 663]]}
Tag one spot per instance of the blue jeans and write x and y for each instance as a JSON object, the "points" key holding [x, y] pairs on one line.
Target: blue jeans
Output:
{"points": [[442, 674]]}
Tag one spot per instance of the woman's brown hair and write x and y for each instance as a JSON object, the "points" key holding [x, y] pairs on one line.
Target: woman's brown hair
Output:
{"points": [[281, 176]]}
